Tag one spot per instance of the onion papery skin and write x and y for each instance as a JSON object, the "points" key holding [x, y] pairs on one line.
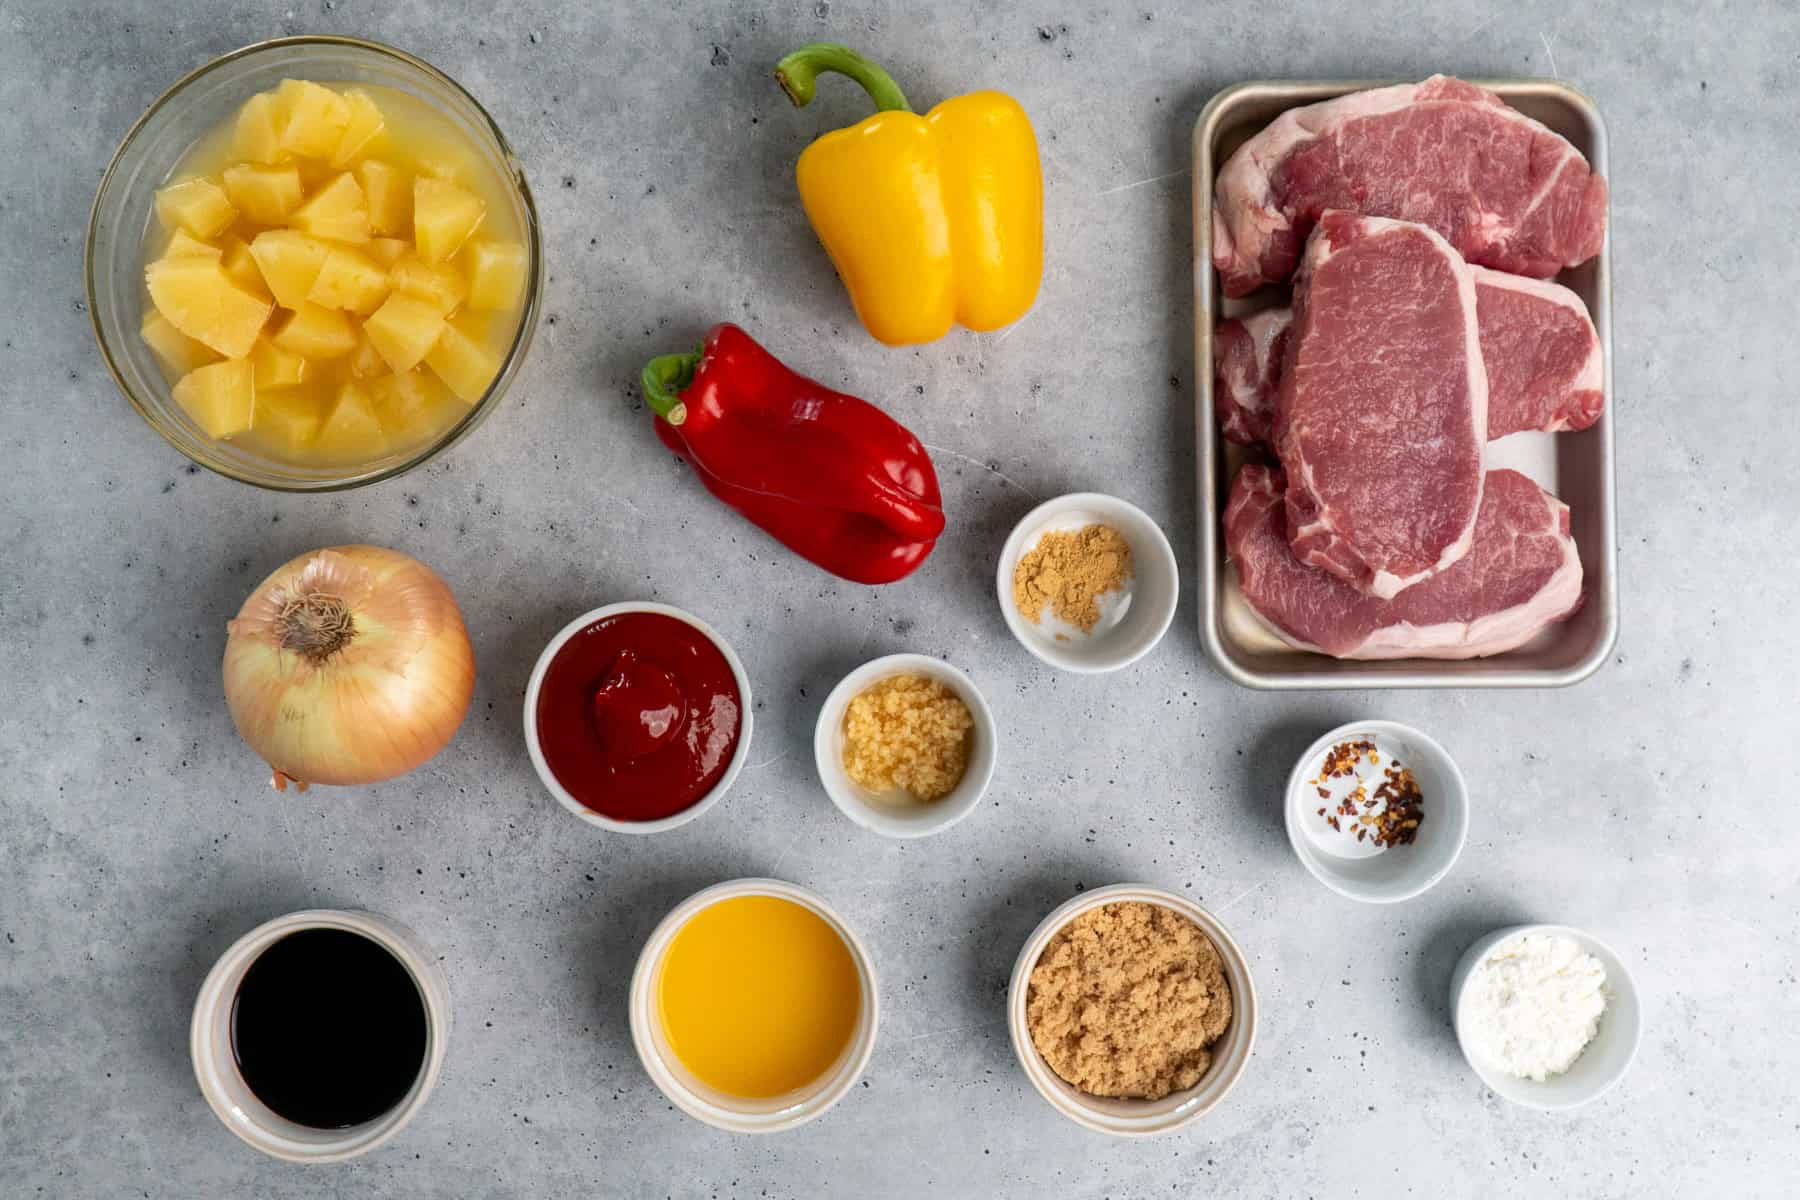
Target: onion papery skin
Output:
{"points": [[386, 700]]}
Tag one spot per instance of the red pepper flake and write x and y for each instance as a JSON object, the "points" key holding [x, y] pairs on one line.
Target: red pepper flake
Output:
{"points": [[1388, 817]]}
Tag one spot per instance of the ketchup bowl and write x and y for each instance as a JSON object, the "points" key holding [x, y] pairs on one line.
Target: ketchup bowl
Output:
{"points": [[637, 717]]}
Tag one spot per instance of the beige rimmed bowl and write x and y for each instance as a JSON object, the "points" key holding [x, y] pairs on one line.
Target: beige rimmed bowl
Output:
{"points": [[123, 212], [215, 1066], [739, 1114], [1137, 1118]]}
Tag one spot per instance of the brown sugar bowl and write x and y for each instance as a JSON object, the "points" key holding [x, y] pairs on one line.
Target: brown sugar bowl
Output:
{"points": [[1134, 1117]]}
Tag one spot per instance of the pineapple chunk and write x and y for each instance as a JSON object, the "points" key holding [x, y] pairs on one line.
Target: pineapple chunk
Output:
{"points": [[336, 211], [221, 397], [365, 125], [390, 196], [413, 407], [290, 262], [464, 364], [352, 431], [387, 251], [444, 215], [312, 118], [496, 275], [264, 194], [200, 300], [183, 245], [274, 367], [403, 329], [446, 163], [314, 332], [288, 418], [257, 138], [240, 264], [349, 280], [199, 206], [366, 361], [440, 287], [178, 351]]}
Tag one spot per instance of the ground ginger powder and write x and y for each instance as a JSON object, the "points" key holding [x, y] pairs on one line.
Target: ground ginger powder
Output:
{"points": [[1125, 1001], [1069, 571], [909, 733]]}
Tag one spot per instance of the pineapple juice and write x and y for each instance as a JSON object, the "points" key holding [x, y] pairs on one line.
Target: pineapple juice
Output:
{"points": [[335, 275]]}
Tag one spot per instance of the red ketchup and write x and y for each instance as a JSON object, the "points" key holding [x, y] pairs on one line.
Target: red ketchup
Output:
{"points": [[638, 716]]}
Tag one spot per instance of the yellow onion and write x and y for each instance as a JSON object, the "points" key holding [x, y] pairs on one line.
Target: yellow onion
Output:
{"points": [[348, 665]]}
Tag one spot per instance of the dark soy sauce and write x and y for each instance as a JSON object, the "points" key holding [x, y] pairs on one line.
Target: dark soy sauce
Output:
{"points": [[328, 1028]]}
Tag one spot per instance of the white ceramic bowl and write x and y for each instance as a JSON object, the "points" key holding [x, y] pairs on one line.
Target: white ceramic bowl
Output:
{"points": [[600, 820], [1137, 1118], [867, 808], [1132, 619], [1399, 872], [209, 1041], [1605, 1059], [736, 1113]]}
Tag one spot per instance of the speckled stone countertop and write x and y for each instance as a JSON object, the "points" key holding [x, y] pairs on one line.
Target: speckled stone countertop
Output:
{"points": [[1649, 805]]}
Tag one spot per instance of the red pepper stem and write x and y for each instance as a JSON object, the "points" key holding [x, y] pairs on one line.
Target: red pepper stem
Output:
{"points": [[664, 378], [799, 72]]}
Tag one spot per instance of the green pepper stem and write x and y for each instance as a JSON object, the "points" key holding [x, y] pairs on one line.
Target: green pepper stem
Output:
{"points": [[664, 378], [799, 72]]}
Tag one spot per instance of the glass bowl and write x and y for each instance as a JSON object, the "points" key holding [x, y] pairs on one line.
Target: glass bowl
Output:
{"points": [[123, 211]]}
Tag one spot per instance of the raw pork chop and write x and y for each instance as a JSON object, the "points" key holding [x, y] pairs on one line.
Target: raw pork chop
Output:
{"points": [[1539, 346], [1381, 419], [1521, 574], [1542, 355], [1247, 357], [1506, 191]]}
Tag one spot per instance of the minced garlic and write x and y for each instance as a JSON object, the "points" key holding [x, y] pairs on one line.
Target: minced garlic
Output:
{"points": [[908, 733]]}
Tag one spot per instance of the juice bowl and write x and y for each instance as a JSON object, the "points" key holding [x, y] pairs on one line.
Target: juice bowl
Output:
{"points": [[198, 112], [787, 1103]]}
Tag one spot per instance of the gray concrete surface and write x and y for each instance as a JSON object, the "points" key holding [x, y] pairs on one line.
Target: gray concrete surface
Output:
{"points": [[1649, 805]]}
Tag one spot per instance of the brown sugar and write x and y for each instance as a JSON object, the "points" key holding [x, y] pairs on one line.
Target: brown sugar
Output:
{"points": [[908, 733], [1126, 1000], [1069, 571]]}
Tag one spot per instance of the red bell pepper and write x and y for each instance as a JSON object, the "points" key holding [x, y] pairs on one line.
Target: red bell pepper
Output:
{"points": [[831, 477]]}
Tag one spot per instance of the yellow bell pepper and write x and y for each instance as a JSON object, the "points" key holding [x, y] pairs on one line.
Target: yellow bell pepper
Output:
{"points": [[930, 220]]}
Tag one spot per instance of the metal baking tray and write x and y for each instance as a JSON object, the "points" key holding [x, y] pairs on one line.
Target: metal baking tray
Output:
{"points": [[1578, 467]]}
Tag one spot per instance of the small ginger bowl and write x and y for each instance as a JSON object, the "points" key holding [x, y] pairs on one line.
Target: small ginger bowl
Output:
{"points": [[122, 217], [1603, 1062], [1133, 618], [899, 817], [1354, 869], [738, 1114], [1137, 1118], [534, 747]]}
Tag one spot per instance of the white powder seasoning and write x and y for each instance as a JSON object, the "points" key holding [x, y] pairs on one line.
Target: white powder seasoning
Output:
{"points": [[1533, 1005]]}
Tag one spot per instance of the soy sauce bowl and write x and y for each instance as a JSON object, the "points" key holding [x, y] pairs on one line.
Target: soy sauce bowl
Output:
{"points": [[739, 755], [223, 1085]]}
